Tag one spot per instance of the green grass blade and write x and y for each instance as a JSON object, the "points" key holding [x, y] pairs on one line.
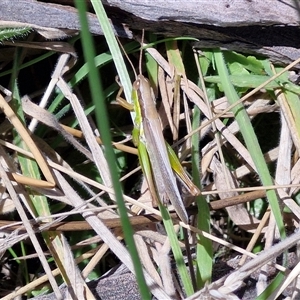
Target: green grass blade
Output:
{"points": [[178, 256], [30, 63], [102, 120], [250, 138], [272, 287], [28, 166], [252, 81], [204, 250], [114, 49]]}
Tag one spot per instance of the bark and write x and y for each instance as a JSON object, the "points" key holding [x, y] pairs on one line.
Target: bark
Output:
{"points": [[267, 27]]}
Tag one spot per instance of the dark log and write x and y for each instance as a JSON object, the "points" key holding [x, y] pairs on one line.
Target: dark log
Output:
{"points": [[50, 15], [266, 27]]}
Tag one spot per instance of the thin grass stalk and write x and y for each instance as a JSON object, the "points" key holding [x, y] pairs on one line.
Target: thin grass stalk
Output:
{"points": [[102, 120]]}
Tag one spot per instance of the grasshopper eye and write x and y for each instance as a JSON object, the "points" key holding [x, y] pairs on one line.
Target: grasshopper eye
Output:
{"points": [[136, 84]]}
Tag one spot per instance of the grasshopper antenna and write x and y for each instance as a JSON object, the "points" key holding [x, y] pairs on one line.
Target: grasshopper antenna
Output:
{"points": [[141, 52], [121, 46]]}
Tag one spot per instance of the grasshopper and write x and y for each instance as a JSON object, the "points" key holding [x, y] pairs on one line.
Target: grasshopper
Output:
{"points": [[156, 156]]}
